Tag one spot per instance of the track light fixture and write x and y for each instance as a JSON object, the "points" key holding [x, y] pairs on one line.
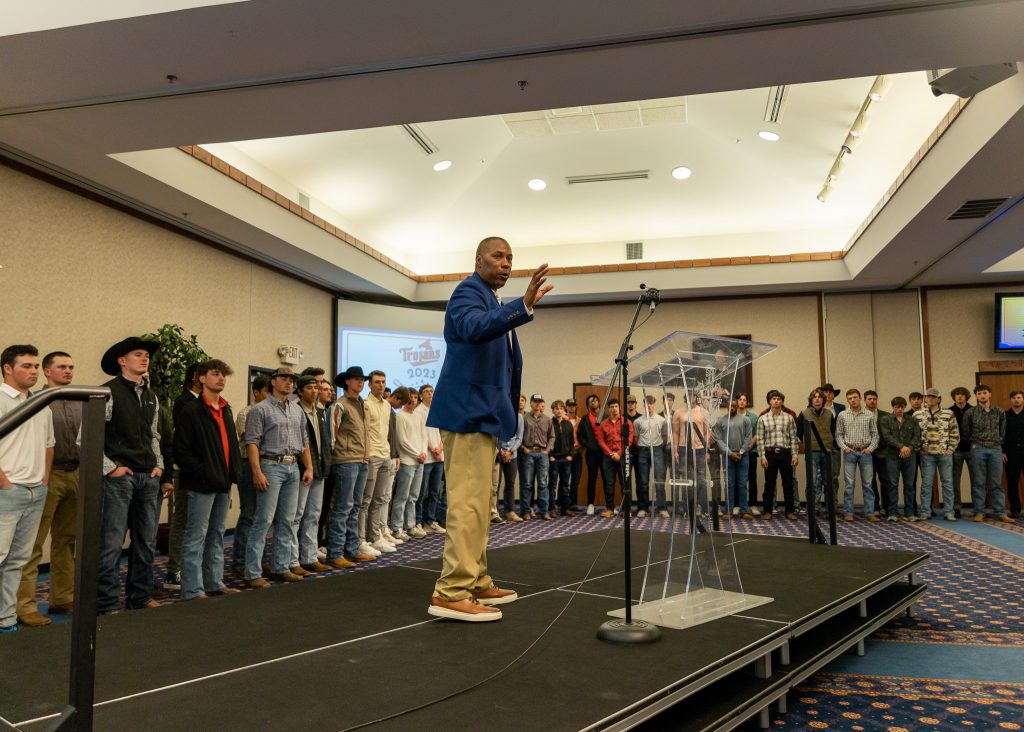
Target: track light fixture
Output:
{"points": [[856, 134]]}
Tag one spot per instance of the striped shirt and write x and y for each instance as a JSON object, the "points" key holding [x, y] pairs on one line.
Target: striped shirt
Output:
{"points": [[856, 430], [776, 430]]}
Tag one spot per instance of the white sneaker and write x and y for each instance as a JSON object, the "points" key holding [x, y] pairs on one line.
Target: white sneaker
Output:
{"points": [[321, 553], [437, 528], [641, 514], [755, 510], [416, 532], [664, 514], [735, 510], [590, 509], [383, 546], [402, 535], [391, 538], [366, 548]]}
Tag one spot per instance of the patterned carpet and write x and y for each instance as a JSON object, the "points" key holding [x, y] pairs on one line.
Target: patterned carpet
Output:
{"points": [[974, 604]]}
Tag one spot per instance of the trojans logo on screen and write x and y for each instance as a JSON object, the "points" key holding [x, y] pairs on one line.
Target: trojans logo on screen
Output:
{"points": [[420, 355]]}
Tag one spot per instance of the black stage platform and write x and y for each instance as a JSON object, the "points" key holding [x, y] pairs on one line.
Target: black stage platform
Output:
{"points": [[342, 651]]}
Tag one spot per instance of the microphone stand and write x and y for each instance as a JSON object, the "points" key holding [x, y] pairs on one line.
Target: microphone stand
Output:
{"points": [[628, 630]]}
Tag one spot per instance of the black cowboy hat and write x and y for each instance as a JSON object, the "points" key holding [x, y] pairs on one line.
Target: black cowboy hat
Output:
{"points": [[109, 362], [351, 372]]}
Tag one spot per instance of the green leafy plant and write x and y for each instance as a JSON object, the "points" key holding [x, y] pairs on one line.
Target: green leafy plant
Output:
{"points": [[167, 367]]}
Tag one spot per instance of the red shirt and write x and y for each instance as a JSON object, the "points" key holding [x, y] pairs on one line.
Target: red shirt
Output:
{"points": [[609, 436], [218, 417]]}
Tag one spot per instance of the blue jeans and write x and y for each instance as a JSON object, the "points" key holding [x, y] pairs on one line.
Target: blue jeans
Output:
{"points": [[851, 460], [907, 469], [929, 464], [533, 464], [306, 522], [131, 503], [202, 551], [246, 512], [987, 472], [647, 459], [276, 506], [736, 480], [407, 492], [427, 507], [21, 508], [343, 532], [559, 475]]}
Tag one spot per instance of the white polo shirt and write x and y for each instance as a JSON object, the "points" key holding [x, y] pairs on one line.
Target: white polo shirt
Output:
{"points": [[23, 452]]}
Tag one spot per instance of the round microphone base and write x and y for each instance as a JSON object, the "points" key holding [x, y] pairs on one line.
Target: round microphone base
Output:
{"points": [[619, 631]]}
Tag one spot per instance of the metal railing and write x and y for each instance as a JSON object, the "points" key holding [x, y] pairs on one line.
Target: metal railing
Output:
{"points": [[78, 714]]}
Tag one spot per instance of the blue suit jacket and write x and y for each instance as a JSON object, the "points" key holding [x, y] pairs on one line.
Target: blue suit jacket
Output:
{"points": [[478, 388]]}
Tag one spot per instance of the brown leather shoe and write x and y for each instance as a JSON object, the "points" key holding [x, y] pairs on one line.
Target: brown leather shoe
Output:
{"points": [[747, 516], [848, 517], [469, 610], [148, 606], [496, 596], [1006, 519], [873, 518], [766, 516], [361, 558], [257, 584], [607, 514], [316, 567], [547, 517], [339, 563], [791, 516], [65, 609], [287, 577], [570, 513], [225, 591], [299, 571], [34, 620]]}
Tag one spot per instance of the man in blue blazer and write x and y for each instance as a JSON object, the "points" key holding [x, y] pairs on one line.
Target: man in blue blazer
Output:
{"points": [[474, 406]]}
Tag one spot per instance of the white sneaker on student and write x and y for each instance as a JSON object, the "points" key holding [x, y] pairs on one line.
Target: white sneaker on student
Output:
{"points": [[590, 509], [641, 514], [391, 538], [437, 528], [417, 532], [664, 514], [735, 510], [321, 553], [366, 548], [384, 547], [403, 535], [755, 510]]}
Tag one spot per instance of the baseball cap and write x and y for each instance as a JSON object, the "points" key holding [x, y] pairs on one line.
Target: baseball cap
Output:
{"points": [[933, 392], [536, 398]]}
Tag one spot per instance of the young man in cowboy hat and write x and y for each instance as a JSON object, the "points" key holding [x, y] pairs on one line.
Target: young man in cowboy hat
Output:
{"points": [[132, 466], [277, 444], [349, 458]]}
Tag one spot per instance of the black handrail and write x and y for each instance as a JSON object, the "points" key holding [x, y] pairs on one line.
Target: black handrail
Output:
{"points": [[77, 715]]}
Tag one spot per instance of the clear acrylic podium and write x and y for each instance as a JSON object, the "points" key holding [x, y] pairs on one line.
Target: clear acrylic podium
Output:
{"points": [[693, 577]]}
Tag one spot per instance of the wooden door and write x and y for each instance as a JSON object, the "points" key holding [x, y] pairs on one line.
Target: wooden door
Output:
{"points": [[1002, 382]]}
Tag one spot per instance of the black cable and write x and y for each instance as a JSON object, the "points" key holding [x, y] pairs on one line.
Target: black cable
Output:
{"points": [[507, 666]]}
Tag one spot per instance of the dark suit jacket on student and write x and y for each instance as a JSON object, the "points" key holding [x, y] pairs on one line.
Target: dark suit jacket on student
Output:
{"points": [[199, 452], [478, 388]]}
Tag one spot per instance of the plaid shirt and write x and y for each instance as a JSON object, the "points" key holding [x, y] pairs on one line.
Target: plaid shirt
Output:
{"points": [[856, 430], [939, 433], [776, 431]]}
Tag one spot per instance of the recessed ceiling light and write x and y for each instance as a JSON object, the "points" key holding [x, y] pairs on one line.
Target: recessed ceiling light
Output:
{"points": [[769, 136], [536, 184], [681, 173], [442, 165]]}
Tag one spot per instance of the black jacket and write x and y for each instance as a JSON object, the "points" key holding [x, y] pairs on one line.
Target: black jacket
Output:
{"points": [[563, 438], [199, 452], [321, 458], [585, 433]]}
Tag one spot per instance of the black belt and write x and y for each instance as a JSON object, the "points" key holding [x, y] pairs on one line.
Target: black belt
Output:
{"points": [[778, 450], [65, 467]]}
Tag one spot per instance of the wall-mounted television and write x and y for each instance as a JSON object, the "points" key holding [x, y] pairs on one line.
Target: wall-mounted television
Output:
{"points": [[1009, 320]]}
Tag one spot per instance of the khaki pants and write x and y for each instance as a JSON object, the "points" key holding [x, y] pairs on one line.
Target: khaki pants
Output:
{"points": [[469, 459], [60, 521]]}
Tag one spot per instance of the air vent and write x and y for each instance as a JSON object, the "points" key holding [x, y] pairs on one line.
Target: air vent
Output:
{"points": [[304, 200], [634, 250], [776, 103], [979, 208], [605, 177], [420, 139]]}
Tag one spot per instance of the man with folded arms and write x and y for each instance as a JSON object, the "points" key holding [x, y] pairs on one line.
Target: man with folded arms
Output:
{"points": [[25, 459], [277, 444], [902, 435], [208, 458], [60, 513], [476, 396]]}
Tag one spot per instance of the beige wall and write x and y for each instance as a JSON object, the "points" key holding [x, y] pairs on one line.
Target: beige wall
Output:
{"points": [[960, 325]]}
